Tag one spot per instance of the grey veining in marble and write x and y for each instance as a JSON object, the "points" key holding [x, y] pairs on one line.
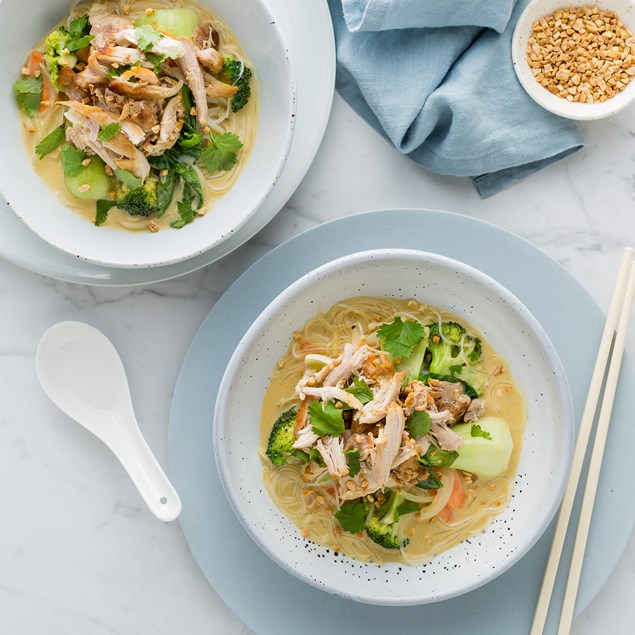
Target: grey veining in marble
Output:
{"points": [[79, 553]]}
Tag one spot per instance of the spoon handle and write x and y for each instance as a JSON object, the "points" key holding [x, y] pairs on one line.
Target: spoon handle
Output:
{"points": [[137, 459]]}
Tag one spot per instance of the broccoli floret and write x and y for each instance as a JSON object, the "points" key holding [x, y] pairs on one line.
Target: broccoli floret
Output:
{"points": [[454, 352], [238, 75], [54, 44], [280, 446], [142, 201], [383, 525]]}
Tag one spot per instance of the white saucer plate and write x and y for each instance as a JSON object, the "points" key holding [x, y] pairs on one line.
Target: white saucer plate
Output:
{"points": [[308, 28]]}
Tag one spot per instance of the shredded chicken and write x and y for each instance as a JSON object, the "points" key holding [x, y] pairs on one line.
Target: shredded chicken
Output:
{"points": [[376, 409], [445, 436], [350, 363], [387, 445], [332, 451], [328, 393], [194, 77], [449, 396], [475, 410], [171, 124], [305, 438]]}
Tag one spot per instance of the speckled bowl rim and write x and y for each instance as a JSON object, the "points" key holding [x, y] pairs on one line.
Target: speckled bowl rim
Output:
{"points": [[542, 339]]}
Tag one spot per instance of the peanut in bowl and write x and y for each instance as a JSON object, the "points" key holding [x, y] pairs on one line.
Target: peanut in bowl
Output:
{"points": [[576, 58]]}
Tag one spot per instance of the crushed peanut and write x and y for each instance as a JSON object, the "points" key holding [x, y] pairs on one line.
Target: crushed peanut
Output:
{"points": [[84, 188], [150, 11], [86, 162], [153, 227], [582, 54]]}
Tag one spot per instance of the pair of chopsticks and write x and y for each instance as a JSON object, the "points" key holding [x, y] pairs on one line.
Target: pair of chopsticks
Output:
{"points": [[617, 322]]}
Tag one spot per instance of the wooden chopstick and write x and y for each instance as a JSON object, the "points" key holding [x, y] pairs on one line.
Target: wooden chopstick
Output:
{"points": [[586, 424], [595, 463]]}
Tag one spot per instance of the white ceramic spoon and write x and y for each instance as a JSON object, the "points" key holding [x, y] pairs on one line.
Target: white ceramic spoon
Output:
{"points": [[82, 373]]}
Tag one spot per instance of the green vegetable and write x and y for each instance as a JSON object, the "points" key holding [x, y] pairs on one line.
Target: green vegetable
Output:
{"points": [[147, 37], [85, 182], [165, 191], [436, 457], [128, 179], [221, 154], [477, 431], [481, 456], [360, 390], [79, 43], [414, 362], [383, 526], [237, 74], [352, 459], [138, 201], [186, 212], [79, 27], [29, 94], [72, 158], [176, 22], [109, 131], [280, 444], [351, 516], [454, 352], [55, 44], [432, 482], [102, 208], [193, 187], [326, 418], [418, 424], [400, 338], [51, 141]]}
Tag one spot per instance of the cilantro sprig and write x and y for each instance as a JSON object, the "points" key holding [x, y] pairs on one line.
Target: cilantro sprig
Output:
{"points": [[51, 141], [29, 94], [221, 154], [109, 131], [399, 338], [326, 419], [351, 516], [418, 424]]}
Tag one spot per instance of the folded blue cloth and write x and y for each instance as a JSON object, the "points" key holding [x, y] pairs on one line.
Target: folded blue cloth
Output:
{"points": [[445, 93]]}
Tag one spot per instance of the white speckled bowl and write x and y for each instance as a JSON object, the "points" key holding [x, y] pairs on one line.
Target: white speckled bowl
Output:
{"points": [[23, 24], [625, 9], [503, 321]]}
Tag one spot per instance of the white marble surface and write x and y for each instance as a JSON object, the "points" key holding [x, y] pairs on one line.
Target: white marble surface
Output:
{"points": [[79, 553]]}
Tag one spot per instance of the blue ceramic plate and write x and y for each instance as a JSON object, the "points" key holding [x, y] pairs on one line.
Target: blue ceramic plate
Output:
{"points": [[268, 599]]}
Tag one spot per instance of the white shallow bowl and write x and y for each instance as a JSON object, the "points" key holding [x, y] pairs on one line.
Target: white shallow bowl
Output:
{"points": [[512, 331], [625, 10], [23, 23]]}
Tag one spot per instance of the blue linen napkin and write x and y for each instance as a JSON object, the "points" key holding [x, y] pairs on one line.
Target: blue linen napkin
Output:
{"points": [[444, 91]]}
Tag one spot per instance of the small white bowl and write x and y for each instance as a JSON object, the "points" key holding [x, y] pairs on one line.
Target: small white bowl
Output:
{"points": [[508, 326], [23, 23], [625, 10]]}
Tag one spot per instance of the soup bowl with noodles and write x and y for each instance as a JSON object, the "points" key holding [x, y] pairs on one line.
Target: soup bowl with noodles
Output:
{"points": [[142, 132], [395, 428]]}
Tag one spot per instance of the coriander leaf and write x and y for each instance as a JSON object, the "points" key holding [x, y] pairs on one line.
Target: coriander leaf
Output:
{"points": [[72, 158], [128, 179], [352, 516], [79, 43], [29, 94], [399, 338], [221, 154], [102, 208], [432, 482], [191, 180], [79, 27], [477, 431], [436, 457], [157, 60], [147, 37], [407, 507], [116, 72], [352, 458], [191, 139], [325, 418], [418, 424], [360, 390], [185, 211], [51, 141], [455, 369], [109, 131]]}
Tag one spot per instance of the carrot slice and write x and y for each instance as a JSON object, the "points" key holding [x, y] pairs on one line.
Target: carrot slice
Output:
{"points": [[49, 94], [457, 498], [34, 63]]}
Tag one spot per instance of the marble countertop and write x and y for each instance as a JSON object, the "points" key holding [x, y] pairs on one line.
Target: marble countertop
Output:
{"points": [[79, 552]]}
